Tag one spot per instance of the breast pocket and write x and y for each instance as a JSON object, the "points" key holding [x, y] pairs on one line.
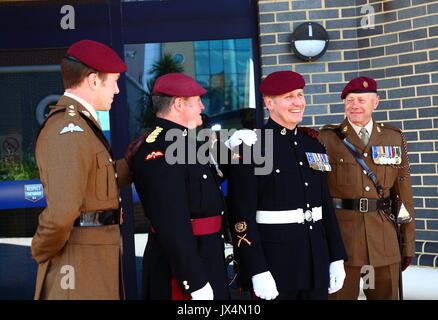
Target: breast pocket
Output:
{"points": [[346, 171], [106, 185]]}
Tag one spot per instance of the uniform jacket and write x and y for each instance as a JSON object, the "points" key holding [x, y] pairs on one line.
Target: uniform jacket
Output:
{"points": [[172, 195], [297, 254], [78, 175], [370, 238]]}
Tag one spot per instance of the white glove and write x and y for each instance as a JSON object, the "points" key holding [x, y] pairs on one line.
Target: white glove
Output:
{"points": [[249, 137], [264, 286], [205, 293], [337, 276]]}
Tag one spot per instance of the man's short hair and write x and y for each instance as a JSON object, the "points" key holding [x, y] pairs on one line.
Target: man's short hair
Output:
{"points": [[161, 103], [74, 72]]}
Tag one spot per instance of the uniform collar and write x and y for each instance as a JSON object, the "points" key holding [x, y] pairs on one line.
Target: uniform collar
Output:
{"points": [[167, 124], [357, 129], [87, 105], [375, 134], [278, 129], [68, 102]]}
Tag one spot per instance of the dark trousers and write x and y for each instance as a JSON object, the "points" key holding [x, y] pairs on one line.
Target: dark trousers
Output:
{"points": [[309, 294]]}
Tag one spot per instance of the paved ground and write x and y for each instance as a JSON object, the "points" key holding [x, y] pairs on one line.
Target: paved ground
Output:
{"points": [[18, 271]]}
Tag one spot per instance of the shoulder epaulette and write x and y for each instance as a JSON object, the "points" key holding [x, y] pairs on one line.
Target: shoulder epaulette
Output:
{"points": [[151, 137], [309, 131], [329, 127], [384, 125], [71, 113]]}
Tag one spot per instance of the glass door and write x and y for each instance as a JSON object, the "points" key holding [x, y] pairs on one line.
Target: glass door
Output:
{"points": [[35, 36]]}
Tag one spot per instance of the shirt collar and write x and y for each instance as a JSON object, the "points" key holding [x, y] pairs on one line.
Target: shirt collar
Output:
{"points": [[356, 128], [87, 106]]}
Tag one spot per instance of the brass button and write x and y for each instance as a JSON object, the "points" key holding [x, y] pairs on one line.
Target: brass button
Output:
{"points": [[301, 163], [278, 170], [341, 160], [365, 154], [367, 188], [204, 176]]}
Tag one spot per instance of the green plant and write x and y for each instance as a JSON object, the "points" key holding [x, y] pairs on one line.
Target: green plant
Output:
{"points": [[163, 66], [24, 170]]}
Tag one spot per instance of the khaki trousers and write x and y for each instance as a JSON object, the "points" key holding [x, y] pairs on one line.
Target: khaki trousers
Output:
{"points": [[379, 283]]}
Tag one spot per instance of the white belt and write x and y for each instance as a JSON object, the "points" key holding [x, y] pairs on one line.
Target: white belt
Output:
{"points": [[289, 216]]}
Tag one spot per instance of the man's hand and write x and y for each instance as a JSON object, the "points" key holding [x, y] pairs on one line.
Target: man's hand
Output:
{"points": [[405, 262], [133, 148], [337, 276], [205, 293], [248, 137], [264, 286]]}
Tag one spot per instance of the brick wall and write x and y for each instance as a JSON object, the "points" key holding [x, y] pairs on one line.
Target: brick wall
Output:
{"points": [[401, 53]]}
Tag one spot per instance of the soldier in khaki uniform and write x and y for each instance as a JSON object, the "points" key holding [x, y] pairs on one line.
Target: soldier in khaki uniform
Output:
{"points": [[367, 226], [77, 243]]}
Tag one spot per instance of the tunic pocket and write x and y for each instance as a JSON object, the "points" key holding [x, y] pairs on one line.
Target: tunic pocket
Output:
{"points": [[346, 172], [106, 186]]}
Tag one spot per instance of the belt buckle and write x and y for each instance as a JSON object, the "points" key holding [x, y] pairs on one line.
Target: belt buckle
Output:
{"points": [[363, 204], [89, 219], [308, 215]]}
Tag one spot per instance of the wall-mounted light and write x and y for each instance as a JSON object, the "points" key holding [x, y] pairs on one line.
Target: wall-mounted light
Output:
{"points": [[310, 41]]}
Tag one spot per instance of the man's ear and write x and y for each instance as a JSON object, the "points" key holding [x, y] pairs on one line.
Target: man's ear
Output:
{"points": [[178, 104], [92, 80], [268, 102], [376, 102]]}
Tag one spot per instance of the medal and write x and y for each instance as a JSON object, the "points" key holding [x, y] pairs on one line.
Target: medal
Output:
{"points": [[318, 161], [386, 154]]}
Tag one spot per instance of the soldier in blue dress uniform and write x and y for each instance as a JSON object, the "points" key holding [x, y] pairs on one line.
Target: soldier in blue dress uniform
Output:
{"points": [[286, 235], [184, 256]]}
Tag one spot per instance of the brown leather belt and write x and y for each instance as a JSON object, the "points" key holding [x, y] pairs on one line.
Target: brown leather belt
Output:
{"points": [[362, 204], [98, 218]]}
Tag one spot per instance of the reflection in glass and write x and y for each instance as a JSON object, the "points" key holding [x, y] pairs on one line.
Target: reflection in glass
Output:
{"points": [[223, 67]]}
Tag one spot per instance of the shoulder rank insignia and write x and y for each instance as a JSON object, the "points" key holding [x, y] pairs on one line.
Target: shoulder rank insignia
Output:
{"points": [[70, 128], [386, 154], [153, 155], [153, 135], [318, 161]]}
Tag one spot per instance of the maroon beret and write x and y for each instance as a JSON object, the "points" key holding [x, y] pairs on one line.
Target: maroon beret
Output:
{"points": [[96, 55], [177, 85], [358, 85], [281, 82]]}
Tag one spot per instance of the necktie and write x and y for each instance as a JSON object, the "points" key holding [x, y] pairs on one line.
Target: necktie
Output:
{"points": [[364, 136]]}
